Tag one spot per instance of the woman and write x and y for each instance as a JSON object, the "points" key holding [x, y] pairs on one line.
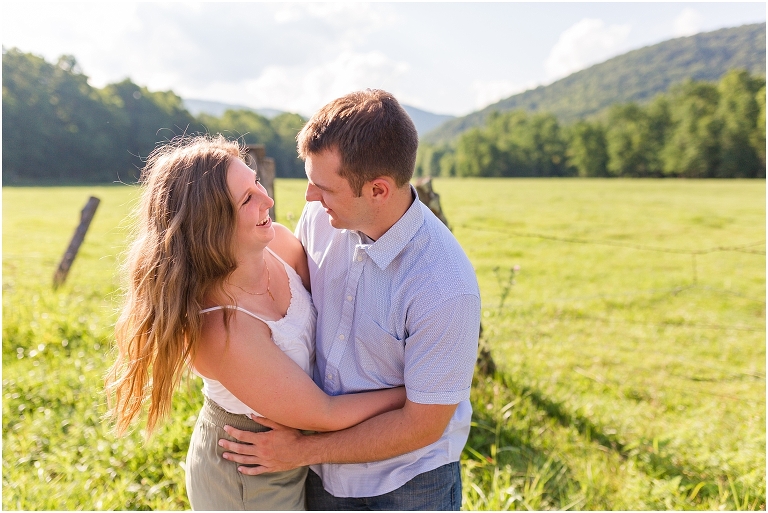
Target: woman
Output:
{"points": [[217, 287]]}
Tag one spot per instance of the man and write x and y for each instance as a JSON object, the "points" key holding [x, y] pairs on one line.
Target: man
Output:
{"points": [[398, 304]]}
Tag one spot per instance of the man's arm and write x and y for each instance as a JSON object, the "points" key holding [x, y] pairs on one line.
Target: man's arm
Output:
{"points": [[434, 373], [385, 436]]}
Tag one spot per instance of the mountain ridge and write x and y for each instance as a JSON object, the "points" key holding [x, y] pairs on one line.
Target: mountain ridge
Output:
{"points": [[635, 76], [196, 107], [424, 120]]}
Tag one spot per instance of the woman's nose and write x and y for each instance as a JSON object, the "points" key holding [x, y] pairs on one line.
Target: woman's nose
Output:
{"points": [[266, 199]]}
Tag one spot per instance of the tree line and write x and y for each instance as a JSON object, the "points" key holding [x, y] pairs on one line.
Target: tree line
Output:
{"points": [[696, 130], [59, 129]]}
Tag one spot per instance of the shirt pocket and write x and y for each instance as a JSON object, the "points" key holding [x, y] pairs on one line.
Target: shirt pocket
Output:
{"points": [[380, 356]]}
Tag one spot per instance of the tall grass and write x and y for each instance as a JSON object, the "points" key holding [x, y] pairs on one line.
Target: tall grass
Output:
{"points": [[630, 358]]}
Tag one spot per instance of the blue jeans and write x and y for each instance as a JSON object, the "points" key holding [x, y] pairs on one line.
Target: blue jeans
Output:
{"points": [[436, 490]]}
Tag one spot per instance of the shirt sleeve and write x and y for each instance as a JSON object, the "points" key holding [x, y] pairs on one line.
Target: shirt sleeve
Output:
{"points": [[441, 351]]}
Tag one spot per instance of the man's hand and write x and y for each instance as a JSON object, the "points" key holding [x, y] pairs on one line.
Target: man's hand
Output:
{"points": [[273, 451], [409, 428]]}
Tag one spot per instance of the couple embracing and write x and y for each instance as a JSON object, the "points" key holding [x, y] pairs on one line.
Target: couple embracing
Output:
{"points": [[353, 396]]}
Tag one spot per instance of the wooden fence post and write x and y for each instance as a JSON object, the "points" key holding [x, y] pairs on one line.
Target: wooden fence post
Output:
{"points": [[256, 158], [86, 216], [430, 198]]}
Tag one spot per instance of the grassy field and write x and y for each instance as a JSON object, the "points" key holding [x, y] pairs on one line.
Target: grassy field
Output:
{"points": [[626, 320]]}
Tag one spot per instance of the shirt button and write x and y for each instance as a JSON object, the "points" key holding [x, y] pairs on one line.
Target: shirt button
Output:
{"points": [[349, 298], [360, 258], [341, 337], [329, 375]]}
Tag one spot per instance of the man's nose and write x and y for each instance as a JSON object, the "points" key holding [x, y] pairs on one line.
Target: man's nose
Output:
{"points": [[312, 193]]}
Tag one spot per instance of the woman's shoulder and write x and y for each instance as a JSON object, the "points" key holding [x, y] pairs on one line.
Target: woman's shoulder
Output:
{"points": [[288, 247], [221, 342]]}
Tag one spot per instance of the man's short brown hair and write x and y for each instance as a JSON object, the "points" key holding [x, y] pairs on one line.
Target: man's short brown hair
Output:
{"points": [[373, 134]]}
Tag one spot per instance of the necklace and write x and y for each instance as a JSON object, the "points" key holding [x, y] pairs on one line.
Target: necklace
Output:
{"points": [[258, 293]]}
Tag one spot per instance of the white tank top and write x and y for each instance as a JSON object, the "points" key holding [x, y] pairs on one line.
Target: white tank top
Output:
{"points": [[294, 334]]}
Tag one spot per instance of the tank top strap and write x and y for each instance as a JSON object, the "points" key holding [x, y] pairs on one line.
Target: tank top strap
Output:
{"points": [[233, 307], [286, 264]]}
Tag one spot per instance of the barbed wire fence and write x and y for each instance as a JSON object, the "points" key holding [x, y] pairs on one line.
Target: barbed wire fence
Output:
{"points": [[506, 280], [694, 253]]}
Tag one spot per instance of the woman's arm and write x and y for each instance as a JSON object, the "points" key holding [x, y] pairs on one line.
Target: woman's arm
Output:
{"points": [[259, 374], [290, 249]]}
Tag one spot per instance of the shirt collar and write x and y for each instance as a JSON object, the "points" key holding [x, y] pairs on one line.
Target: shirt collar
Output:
{"points": [[394, 240]]}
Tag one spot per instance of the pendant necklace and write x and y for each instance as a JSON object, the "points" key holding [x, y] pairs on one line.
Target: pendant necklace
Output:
{"points": [[258, 293]]}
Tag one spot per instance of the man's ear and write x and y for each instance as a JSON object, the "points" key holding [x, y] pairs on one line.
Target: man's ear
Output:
{"points": [[381, 188]]}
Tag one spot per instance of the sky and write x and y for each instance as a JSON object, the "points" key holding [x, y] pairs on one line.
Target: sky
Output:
{"points": [[446, 58]]}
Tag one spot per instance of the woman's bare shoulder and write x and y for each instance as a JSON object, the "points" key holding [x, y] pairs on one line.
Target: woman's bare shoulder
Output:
{"points": [[288, 247], [219, 344], [286, 244]]}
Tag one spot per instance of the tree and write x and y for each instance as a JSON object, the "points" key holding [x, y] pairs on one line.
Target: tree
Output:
{"points": [[587, 151], [512, 144], [738, 111], [278, 135], [693, 148], [635, 138], [477, 155], [153, 117], [434, 160], [758, 138], [287, 161], [56, 126]]}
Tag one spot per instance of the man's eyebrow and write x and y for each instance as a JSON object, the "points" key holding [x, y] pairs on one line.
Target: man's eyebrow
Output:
{"points": [[322, 187]]}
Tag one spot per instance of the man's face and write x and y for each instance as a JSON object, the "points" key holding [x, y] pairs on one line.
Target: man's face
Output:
{"points": [[334, 192]]}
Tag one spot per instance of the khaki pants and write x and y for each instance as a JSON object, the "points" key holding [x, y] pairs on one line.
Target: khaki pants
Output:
{"points": [[214, 483]]}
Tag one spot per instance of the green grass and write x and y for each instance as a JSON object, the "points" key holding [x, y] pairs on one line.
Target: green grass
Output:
{"points": [[630, 351]]}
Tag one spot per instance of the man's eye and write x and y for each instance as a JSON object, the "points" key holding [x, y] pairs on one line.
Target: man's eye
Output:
{"points": [[258, 180]]}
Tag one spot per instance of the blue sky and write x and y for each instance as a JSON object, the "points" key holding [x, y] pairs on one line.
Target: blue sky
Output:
{"points": [[448, 58]]}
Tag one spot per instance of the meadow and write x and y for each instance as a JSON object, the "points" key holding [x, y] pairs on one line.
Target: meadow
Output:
{"points": [[626, 320]]}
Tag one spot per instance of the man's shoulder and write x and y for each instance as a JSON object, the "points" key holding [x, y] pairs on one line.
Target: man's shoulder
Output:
{"points": [[438, 241], [439, 262]]}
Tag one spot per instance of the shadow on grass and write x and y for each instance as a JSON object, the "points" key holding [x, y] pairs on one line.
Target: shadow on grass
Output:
{"points": [[506, 467], [699, 484]]}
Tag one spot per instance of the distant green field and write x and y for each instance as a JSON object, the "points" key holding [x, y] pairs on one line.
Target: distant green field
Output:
{"points": [[630, 347]]}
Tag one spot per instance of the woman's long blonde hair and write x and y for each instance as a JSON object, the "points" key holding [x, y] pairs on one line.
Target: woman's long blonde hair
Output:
{"points": [[182, 251]]}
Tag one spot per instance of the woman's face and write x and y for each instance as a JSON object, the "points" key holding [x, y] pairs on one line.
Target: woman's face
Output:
{"points": [[252, 204]]}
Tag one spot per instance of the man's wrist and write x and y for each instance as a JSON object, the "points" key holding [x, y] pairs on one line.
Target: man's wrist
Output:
{"points": [[311, 448]]}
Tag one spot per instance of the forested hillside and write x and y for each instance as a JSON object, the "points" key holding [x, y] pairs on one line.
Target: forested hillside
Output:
{"points": [[58, 129], [697, 130], [636, 76]]}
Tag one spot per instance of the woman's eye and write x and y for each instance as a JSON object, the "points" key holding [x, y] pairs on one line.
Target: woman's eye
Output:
{"points": [[247, 199], [258, 180]]}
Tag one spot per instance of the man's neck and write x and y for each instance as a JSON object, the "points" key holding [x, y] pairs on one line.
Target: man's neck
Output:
{"points": [[386, 218]]}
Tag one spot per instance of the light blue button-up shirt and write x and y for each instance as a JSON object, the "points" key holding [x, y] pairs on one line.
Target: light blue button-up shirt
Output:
{"points": [[403, 310]]}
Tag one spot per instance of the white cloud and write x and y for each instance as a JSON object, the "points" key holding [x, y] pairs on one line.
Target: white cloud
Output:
{"points": [[298, 55], [304, 89], [350, 21], [490, 91], [585, 43], [688, 22], [87, 31]]}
